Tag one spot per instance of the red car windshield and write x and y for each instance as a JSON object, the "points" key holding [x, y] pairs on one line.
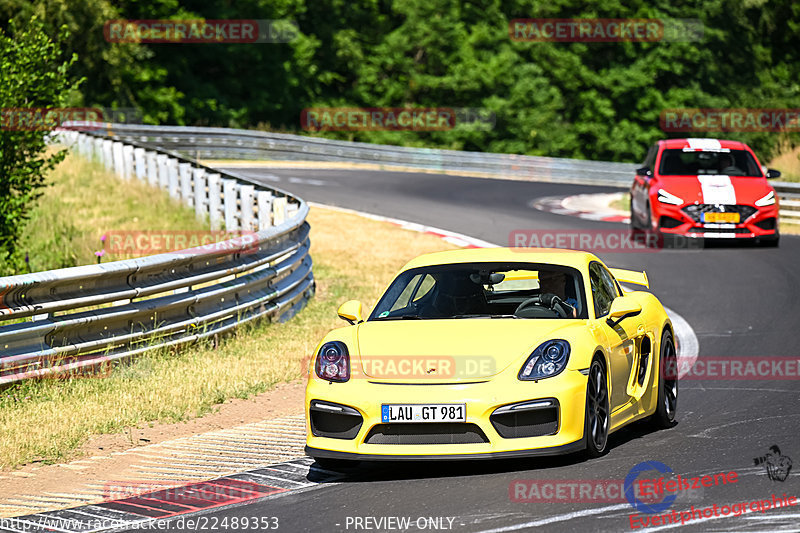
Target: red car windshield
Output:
{"points": [[677, 162]]}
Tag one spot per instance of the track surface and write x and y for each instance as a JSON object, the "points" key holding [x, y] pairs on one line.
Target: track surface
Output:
{"points": [[741, 301]]}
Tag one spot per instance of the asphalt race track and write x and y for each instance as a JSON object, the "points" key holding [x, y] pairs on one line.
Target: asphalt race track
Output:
{"points": [[740, 300]]}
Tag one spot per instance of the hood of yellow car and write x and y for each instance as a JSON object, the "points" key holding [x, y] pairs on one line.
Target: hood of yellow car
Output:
{"points": [[450, 350]]}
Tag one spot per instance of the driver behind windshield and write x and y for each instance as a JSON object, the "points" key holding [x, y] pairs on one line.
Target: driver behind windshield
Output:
{"points": [[553, 282], [727, 166]]}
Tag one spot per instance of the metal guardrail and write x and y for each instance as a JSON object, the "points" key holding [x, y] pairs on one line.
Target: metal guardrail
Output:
{"points": [[224, 143], [789, 194], [84, 316], [211, 143]]}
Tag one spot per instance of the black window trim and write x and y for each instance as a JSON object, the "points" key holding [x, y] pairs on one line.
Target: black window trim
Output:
{"points": [[615, 285]]}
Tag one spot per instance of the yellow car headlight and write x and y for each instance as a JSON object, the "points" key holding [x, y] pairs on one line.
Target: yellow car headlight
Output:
{"points": [[546, 361], [333, 362]]}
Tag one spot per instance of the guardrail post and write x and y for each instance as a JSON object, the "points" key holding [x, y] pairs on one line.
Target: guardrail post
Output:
{"points": [[97, 150], [139, 163], [279, 210], [230, 194], [199, 195], [185, 176], [127, 161], [264, 210], [116, 159], [81, 147], [172, 178], [214, 200], [152, 168], [106, 154], [247, 193], [163, 178]]}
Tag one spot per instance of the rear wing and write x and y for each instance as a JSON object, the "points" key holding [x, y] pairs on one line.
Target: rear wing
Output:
{"points": [[630, 276]]}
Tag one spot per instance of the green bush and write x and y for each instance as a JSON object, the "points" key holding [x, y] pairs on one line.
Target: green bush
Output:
{"points": [[34, 76]]}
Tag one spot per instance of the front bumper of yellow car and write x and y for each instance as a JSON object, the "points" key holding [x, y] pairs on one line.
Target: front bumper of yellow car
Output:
{"points": [[343, 420]]}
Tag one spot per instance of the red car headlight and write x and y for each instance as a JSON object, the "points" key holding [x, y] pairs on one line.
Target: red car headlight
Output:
{"points": [[769, 199], [667, 198]]}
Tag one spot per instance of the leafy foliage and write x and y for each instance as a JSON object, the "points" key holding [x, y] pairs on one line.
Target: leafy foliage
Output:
{"points": [[584, 100], [34, 76]]}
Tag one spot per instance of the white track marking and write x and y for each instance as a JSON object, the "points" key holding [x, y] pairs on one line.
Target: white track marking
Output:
{"points": [[688, 347], [705, 433], [413, 226], [558, 518], [309, 181]]}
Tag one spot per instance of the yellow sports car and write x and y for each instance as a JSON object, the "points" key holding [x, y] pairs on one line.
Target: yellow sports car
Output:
{"points": [[492, 353]]}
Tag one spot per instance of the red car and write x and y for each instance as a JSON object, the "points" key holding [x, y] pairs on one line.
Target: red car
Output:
{"points": [[705, 188]]}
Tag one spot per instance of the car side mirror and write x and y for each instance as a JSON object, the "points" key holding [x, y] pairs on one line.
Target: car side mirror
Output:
{"points": [[772, 173], [621, 308], [644, 171], [351, 312]]}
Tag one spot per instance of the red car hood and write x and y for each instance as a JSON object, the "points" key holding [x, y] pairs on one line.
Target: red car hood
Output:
{"points": [[712, 189]]}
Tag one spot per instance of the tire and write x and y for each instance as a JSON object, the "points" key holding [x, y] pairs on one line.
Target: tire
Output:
{"points": [[633, 221], [335, 465], [648, 223], [667, 403], [598, 415]]}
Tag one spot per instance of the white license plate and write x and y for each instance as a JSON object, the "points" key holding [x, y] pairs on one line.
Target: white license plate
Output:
{"points": [[434, 412]]}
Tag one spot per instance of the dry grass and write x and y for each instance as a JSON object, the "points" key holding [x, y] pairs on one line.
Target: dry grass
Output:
{"points": [[353, 258], [788, 162], [622, 203], [81, 203]]}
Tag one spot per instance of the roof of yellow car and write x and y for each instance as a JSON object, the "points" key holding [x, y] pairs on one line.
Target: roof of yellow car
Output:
{"points": [[555, 256]]}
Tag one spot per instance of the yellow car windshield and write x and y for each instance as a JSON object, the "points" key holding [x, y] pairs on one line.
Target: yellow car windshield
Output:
{"points": [[484, 290]]}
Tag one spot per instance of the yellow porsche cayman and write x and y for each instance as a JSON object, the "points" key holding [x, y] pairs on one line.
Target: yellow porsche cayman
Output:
{"points": [[491, 353]]}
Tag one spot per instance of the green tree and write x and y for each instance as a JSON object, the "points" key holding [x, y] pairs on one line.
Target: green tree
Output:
{"points": [[34, 76]]}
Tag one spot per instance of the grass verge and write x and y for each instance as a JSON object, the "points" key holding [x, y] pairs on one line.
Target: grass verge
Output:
{"points": [[353, 257], [82, 202], [788, 162]]}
